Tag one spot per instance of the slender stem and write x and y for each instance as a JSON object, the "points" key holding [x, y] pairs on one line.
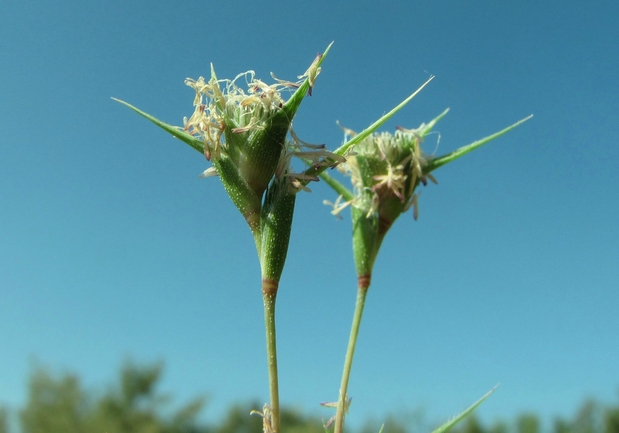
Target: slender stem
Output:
{"points": [[269, 294], [342, 404]]}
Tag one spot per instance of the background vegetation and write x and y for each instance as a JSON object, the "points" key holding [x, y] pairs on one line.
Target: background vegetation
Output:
{"points": [[133, 404]]}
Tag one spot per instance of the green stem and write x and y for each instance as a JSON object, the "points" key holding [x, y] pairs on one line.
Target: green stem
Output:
{"points": [[342, 404], [269, 294]]}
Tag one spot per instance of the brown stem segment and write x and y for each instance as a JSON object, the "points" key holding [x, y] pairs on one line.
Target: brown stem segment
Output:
{"points": [[363, 284], [269, 287], [269, 294]]}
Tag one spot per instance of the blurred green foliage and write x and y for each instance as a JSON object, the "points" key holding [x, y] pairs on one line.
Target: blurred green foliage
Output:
{"points": [[59, 404], [592, 417], [3, 421]]}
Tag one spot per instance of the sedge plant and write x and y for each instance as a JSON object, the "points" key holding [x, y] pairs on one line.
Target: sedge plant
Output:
{"points": [[385, 173], [247, 137]]}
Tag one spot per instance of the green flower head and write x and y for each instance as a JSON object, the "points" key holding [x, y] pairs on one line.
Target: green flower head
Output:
{"points": [[247, 128], [386, 170], [242, 127]]}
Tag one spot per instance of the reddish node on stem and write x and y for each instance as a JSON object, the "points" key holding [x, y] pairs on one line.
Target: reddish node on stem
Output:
{"points": [[269, 287], [363, 281]]}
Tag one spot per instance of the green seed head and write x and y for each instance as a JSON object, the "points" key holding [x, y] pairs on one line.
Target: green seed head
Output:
{"points": [[246, 127], [386, 170], [385, 173], [244, 130]]}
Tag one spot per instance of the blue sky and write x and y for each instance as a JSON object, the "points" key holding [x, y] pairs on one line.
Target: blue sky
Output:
{"points": [[111, 247]]}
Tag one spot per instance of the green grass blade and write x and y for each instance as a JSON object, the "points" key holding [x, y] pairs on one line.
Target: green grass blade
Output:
{"points": [[374, 126], [312, 171], [440, 161], [295, 100], [178, 133], [449, 424]]}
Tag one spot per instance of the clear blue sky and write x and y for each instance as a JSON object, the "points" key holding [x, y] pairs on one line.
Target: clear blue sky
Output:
{"points": [[110, 245]]}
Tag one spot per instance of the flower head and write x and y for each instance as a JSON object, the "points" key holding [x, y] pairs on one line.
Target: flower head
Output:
{"points": [[241, 127], [386, 170], [232, 109], [247, 125]]}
